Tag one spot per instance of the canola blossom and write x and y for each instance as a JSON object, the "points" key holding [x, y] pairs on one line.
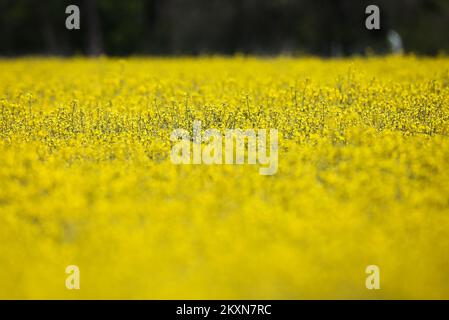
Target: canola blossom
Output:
{"points": [[362, 178]]}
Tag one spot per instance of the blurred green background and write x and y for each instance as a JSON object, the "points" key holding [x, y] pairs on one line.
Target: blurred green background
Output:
{"points": [[191, 27]]}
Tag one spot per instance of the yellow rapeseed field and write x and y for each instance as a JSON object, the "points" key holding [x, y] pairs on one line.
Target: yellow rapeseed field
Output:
{"points": [[86, 178]]}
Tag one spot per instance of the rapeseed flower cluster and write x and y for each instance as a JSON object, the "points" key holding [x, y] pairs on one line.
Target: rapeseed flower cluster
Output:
{"points": [[86, 178]]}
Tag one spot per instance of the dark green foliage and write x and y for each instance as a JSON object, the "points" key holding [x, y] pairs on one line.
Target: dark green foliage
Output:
{"points": [[166, 27]]}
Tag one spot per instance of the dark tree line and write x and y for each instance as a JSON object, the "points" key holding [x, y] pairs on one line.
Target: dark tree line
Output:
{"points": [[170, 27]]}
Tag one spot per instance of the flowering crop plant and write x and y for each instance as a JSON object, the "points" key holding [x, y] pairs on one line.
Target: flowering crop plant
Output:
{"points": [[362, 178]]}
